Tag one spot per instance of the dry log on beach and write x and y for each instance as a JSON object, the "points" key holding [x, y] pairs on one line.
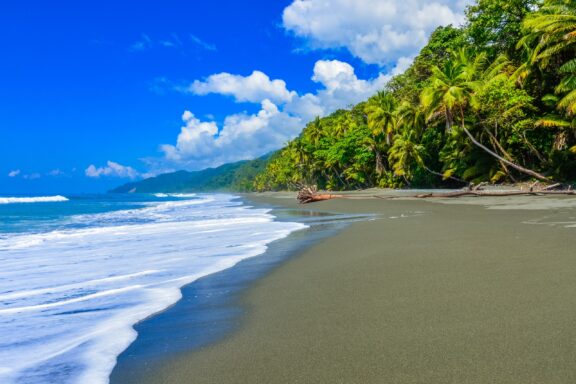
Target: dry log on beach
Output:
{"points": [[310, 194], [496, 193]]}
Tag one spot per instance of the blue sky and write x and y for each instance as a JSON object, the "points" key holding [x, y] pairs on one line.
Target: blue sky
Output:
{"points": [[97, 93]]}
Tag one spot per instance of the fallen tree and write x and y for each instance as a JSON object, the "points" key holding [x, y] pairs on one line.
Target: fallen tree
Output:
{"points": [[308, 194], [496, 193]]}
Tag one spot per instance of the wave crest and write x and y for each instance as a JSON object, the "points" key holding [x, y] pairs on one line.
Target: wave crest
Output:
{"points": [[38, 199]]}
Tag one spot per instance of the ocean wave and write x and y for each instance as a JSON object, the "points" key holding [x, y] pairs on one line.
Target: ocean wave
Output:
{"points": [[70, 297], [38, 199], [180, 195]]}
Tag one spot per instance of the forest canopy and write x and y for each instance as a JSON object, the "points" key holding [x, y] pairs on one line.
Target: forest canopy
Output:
{"points": [[491, 101]]}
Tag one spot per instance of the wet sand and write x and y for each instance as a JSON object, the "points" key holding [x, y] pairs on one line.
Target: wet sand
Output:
{"points": [[425, 293]]}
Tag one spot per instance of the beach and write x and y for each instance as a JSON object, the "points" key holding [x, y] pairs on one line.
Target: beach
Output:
{"points": [[460, 291]]}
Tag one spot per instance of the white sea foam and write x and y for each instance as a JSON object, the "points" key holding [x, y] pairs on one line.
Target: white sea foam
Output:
{"points": [[182, 195], [38, 199], [69, 299]]}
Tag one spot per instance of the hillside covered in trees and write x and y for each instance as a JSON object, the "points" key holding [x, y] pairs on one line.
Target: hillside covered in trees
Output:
{"points": [[493, 100], [236, 177]]}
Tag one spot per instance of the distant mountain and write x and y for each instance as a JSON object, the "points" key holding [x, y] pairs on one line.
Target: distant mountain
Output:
{"points": [[235, 177]]}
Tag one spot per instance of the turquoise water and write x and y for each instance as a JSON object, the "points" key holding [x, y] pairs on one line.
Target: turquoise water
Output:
{"points": [[78, 272]]}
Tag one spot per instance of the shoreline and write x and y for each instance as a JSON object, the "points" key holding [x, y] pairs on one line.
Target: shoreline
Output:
{"points": [[427, 293], [209, 309]]}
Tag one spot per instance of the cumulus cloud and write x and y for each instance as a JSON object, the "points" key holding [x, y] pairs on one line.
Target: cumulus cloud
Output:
{"points": [[376, 31], [112, 169], [14, 173], [384, 32], [340, 88], [253, 88], [282, 115], [243, 136]]}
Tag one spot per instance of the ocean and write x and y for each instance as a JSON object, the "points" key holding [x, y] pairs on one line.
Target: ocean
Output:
{"points": [[78, 272]]}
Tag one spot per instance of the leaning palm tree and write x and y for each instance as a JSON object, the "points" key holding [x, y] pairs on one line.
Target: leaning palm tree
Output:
{"points": [[452, 89]]}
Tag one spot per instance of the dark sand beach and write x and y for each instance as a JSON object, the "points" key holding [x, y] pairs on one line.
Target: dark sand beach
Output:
{"points": [[425, 292]]}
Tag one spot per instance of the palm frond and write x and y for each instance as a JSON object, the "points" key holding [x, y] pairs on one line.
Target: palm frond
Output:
{"points": [[552, 121]]}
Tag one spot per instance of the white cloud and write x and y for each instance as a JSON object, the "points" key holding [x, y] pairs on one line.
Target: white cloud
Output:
{"points": [[243, 136], [253, 88], [341, 88], [376, 31], [282, 115], [194, 141], [14, 173], [112, 169], [341, 85]]}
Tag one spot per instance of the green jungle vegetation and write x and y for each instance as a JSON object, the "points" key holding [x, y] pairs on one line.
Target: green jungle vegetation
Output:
{"points": [[238, 177], [491, 101]]}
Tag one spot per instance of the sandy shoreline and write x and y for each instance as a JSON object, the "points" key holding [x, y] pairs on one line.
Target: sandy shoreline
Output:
{"points": [[427, 293]]}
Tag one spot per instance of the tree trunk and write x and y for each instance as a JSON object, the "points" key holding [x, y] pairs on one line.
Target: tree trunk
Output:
{"points": [[515, 166], [448, 120], [379, 163], [497, 156], [498, 145], [495, 145], [442, 175], [533, 148]]}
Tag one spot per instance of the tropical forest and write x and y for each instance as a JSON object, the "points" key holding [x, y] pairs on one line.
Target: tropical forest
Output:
{"points": [[491, 101]]}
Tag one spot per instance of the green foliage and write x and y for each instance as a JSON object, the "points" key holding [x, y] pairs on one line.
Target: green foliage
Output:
{"points": [[237, 177], [494, 100], [496, 25]]}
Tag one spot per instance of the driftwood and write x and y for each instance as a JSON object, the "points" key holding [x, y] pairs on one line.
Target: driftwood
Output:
{"points": [[310, 194], [552, 189], [496, 193]]}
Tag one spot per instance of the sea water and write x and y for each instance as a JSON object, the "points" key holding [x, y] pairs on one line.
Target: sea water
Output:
{"points": [[77, 272]]}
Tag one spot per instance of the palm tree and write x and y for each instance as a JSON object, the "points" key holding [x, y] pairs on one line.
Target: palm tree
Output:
{"points": [[405, 152], [449, 89], [342, 123], [381, 111], [567, 87], [453, 88], [374, 144], [315, 130], [553, 30]]}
